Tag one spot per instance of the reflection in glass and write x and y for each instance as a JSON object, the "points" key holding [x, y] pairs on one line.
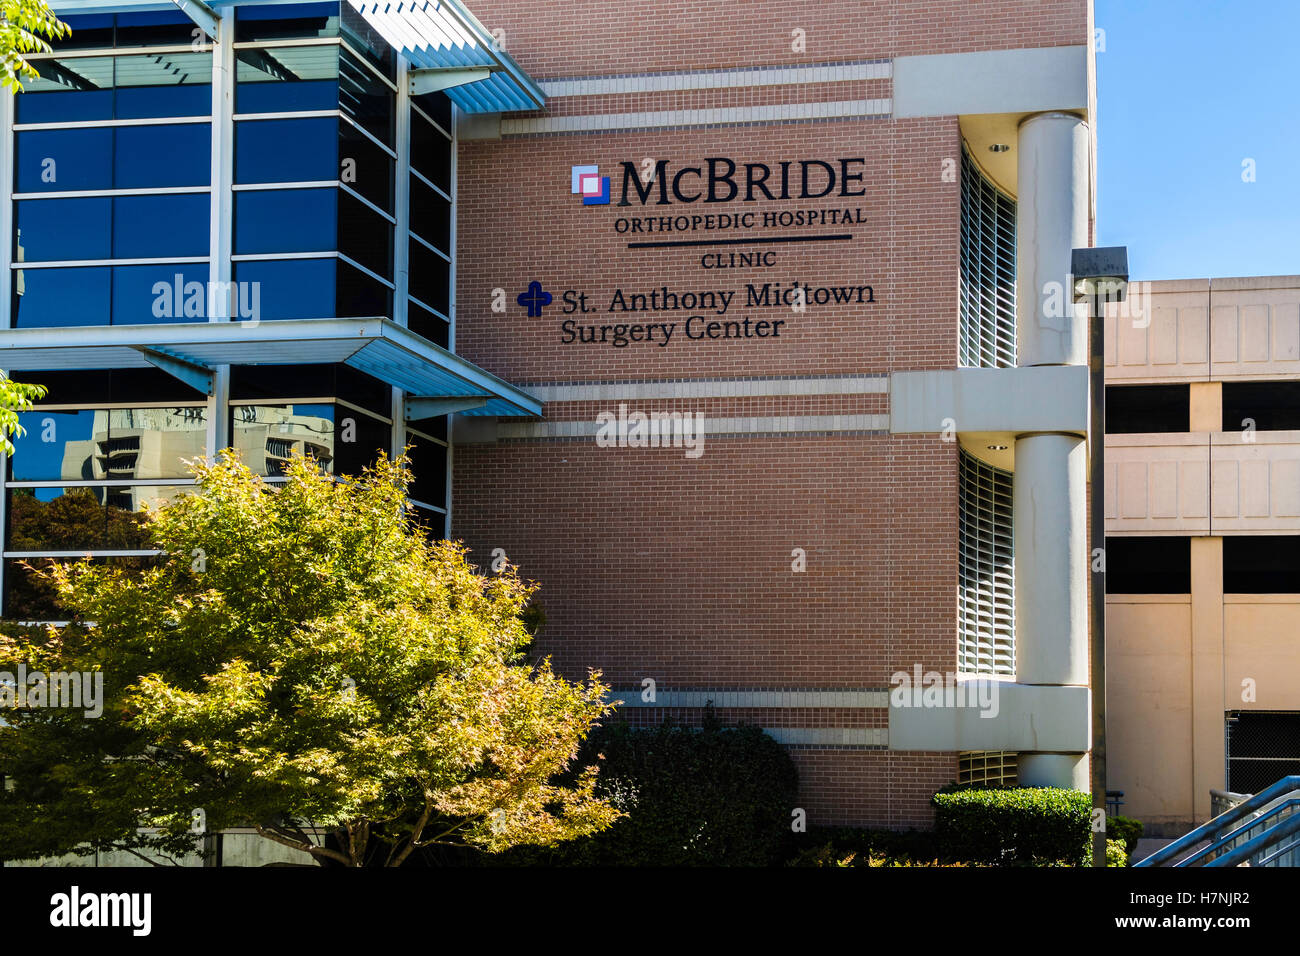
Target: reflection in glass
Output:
{"points": [[287, 78], [29, 597], [89, 518], [282, 21], [366, 98], [122, 87], [119, 443], [267, 436]]}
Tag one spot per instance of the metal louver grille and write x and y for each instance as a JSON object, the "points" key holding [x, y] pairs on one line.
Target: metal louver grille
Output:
{"points": [[987, 283], [989, 768], [986, 619]]}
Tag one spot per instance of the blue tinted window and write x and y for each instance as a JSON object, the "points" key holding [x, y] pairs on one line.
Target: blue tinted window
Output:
{"points": [[150, 227], [154, 28], [54, 229], [291, 288], [162, 156], [89, 30], [282, 20], [366, 98], [149, 295], [286, 151], [287, 78], [286, 220], [124, 87], [63, 159], [55, 445], [49, 298]]}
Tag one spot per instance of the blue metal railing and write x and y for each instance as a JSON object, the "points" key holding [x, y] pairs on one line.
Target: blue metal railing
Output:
{"points": [[1246, 832]]}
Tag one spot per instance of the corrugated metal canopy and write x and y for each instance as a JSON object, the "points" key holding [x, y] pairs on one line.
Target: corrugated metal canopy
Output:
{"points": [[378, 347], [444, 35]]}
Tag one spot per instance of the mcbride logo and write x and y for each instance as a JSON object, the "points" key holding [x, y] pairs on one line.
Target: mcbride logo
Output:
{"points": [[721, 180]]}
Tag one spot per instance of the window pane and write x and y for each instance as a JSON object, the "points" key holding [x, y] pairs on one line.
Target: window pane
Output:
{"points": [[287, 78], [152, 295], [358, 34], [286, 220], [1261, 564], [428, 470], [29, 598], [429, 277], [1271, 406], [56, 444], [366, 98], [163, 84], [437, 105], [430, 152], [358, 440], [364, 235], [89, 31], [284, 20], [50, 298], [1134, 409], [286, 151], [423, 322], [154, 28], [152, 442], [365, 167], [149, 227], [54, 229], [63, 159], [68, 519], [266, 436], [430, 215], [147, 156], [292, 288], [70, 89], [360, 295]]}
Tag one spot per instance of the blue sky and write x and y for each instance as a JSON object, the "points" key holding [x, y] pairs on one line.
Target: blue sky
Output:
{"points": [[1187, 90]]}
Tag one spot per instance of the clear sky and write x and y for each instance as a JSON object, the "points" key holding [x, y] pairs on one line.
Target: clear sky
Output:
{"points": [[1188, 90]]}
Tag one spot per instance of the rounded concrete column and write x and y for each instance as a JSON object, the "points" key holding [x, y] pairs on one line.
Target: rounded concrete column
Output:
{"points": [[1048, 498], [1052, 203]]}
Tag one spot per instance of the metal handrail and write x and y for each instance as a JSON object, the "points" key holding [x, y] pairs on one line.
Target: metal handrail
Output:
{"points": [[1216, 825], [1262, 842], [1241, 830], [1265, 861]]}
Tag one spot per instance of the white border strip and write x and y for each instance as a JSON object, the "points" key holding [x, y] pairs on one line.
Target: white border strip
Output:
{"points": [[712, 426], [781, 112], [719, 79], [738, 388]]}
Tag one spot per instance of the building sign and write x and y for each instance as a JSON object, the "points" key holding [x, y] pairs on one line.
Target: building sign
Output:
{"points": [[706, 208]]}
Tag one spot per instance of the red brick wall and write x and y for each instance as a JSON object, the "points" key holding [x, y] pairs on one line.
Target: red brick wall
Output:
{"points": [[554, 38], [655, 565]]}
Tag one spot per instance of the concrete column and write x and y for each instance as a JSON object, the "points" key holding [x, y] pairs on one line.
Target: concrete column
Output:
{"points": [[1049, 497], [1051, 220], [1209, 700]]}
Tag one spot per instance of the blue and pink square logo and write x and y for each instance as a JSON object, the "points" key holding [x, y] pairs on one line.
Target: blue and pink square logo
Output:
{"points": [[590, 185]]}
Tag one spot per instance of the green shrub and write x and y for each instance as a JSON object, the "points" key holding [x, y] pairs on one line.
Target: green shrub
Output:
{"points": [[1116, 854], [1014, 827], [714, 796], [909, 846], [1125, 829]]}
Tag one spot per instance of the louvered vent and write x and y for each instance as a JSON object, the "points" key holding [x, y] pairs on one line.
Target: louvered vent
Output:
{"points": [[986, 618], [987, 284]]}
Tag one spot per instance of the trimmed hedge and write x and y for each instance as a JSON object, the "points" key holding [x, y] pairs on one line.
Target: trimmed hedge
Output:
{"points": [[1125, 829], [1024, 826], [713, 796]]}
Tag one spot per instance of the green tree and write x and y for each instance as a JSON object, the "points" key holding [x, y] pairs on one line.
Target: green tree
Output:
{"points": [[24, 27], [300, 660], [15, 397]]}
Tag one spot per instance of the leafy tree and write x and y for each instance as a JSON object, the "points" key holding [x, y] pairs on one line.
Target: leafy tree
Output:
{"points": [[23, 24], [15, 397], [299, 660]]}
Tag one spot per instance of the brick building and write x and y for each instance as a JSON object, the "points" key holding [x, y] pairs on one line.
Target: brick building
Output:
{"points": [[744, 329]]}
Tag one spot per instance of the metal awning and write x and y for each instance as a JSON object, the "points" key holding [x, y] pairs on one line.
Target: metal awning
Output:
{"points": [[443, 37], [436, 381]]}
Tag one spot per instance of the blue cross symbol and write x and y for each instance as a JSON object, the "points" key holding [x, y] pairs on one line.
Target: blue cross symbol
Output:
{"points": [[535, 299]]}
